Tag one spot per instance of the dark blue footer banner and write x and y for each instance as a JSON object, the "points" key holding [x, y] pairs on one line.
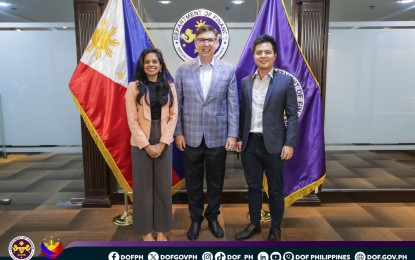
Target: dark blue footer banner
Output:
{"points": [[231, 250]]}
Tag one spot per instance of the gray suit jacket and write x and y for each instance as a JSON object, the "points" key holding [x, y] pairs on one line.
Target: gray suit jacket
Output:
{"points": [[215, 118], [280, 96]]}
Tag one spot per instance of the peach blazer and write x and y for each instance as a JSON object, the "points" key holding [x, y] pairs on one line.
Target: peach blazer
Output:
{"points": [[139, 118]]}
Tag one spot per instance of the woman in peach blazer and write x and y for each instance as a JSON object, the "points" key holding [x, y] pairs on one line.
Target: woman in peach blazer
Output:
{"points": [[152, 116]]}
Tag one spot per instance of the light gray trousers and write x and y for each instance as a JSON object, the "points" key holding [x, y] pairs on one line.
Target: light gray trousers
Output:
{"points": [[152, 207]]}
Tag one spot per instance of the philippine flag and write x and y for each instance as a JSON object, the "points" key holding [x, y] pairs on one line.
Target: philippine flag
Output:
{"points": [[99, 84]]}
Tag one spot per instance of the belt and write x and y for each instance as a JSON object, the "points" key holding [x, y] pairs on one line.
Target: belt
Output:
{"points": [[257, 135]]}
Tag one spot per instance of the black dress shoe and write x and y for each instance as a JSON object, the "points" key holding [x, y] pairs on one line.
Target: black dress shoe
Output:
{"points": [[274, 234], [193, 232], [216, 229], [248, 232]]}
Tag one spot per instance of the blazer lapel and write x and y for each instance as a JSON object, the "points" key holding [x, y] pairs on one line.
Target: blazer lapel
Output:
{"points": [[215, 78], [271, 87], [196, 77], [146, 107], [249, 92]]}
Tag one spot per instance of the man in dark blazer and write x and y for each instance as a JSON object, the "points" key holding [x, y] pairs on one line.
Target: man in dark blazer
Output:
{"points": [[207, 127], [266, 140]]}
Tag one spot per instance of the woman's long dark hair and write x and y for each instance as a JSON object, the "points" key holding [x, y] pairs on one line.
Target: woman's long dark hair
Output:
{"points": [[163, 87]]}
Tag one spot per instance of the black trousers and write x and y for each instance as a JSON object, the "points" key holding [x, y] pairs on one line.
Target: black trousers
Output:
{"points": [[255, 159], [195, 161]]}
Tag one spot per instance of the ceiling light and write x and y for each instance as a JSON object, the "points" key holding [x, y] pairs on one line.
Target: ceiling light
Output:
{"points": [[4, 4], [237, 2], [405, 1], [165, 2]]}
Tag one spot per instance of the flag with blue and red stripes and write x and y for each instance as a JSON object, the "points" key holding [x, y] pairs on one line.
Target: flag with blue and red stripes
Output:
{"points": [[99, 83]]}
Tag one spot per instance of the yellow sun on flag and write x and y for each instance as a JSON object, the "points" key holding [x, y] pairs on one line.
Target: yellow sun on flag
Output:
{"points": [[101, 40], [120, 75]]}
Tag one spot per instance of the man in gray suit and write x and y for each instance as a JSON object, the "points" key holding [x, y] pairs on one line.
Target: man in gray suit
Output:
{"points": [[265, 140], [207, 127]]}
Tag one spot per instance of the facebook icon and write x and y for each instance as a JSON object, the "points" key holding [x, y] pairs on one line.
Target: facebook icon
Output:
{"points": [[113, 256]]}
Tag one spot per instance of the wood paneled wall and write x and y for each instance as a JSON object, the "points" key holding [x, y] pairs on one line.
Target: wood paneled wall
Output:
{"points": [[99, 181], [311, 22]]}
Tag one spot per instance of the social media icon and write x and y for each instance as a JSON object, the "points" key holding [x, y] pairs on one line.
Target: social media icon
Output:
{"points": [[113, 256], [220, 256], [288, 256], [153, 256], [275, 256], [360, 256], [263, 256], [207, 256]]}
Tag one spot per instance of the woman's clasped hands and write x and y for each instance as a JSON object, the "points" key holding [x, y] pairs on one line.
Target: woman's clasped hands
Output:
{"points": [[154, 151]]}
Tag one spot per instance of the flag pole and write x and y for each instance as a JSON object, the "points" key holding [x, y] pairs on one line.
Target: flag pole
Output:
{"points": [[265, 215], [125, 218]]}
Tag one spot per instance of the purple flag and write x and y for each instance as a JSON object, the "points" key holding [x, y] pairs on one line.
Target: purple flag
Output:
{"points": [[307, 168]]}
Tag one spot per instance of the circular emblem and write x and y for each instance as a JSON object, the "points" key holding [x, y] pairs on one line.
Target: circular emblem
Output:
{"points": [[153, 256], [360, 256], [263, 256], [21, 248], [288, 256], [51, 249], [207, 256], [184, 33], [275, 256], [298, 90], [220, 256], [114, 256]]}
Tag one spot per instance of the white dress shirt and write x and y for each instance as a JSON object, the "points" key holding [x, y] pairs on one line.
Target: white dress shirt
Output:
{"points": [[259, 91], [205, 73]]}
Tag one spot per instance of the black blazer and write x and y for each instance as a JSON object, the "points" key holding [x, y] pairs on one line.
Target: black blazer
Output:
{"points": [[280, 96]]}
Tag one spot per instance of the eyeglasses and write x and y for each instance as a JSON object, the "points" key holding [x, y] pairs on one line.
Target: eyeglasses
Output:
{"points": [[210, 41]]}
